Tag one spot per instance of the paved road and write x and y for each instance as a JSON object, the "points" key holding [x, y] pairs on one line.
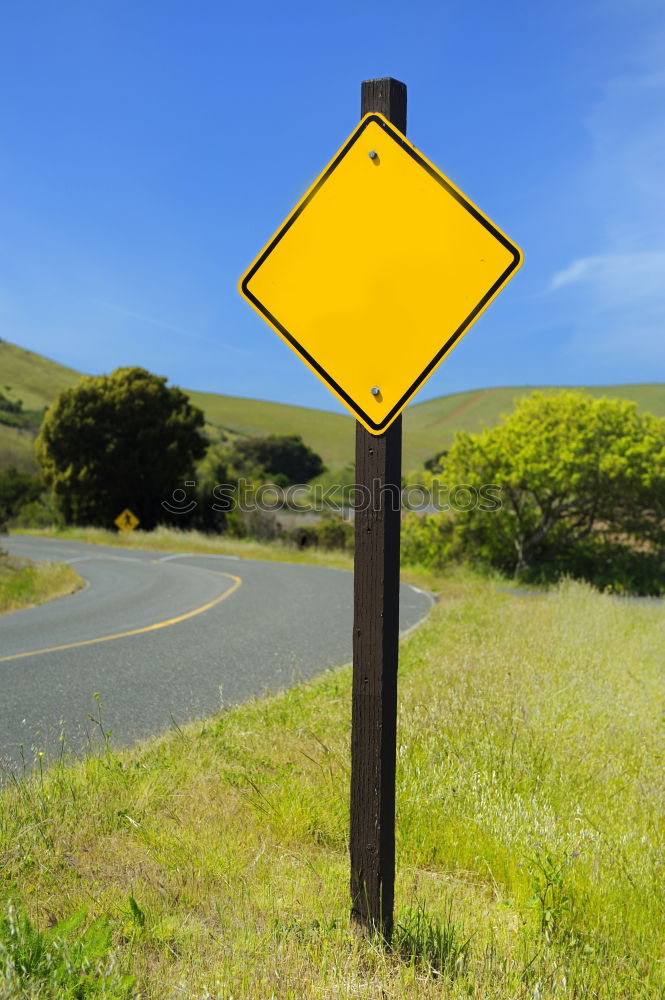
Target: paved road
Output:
{"points": [[165, 637]]}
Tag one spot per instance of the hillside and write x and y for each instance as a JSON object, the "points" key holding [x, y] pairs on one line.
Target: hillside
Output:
{"points": [[35, 381], [329, 434], [429, 427]]}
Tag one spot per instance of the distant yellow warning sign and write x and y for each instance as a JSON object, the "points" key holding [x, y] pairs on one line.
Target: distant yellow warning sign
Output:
{"points": [[126, 521], [378, 272]]}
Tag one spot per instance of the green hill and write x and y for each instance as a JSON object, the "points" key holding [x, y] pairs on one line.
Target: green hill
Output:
{"points": [[429, 427], [329, 434], [30, 377], [35, 381]]}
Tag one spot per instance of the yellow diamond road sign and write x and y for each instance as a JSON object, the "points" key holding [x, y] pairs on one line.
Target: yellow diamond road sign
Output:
{"points": [[126, 521], [378, 272]]}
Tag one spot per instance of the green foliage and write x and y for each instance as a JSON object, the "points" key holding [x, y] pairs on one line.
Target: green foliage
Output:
{"points": [[213, 513], [116, 441], [435, 463], [425, 940], [230, 490], [138, 915], [13, 414], [329, 533], [40, 513], [329, 434], [283, 459], [428, 426], [68, 960], [335, 533], [530, 823], [551, 896], [17, 489], [582, 484], [9, 406], [426, 540]]}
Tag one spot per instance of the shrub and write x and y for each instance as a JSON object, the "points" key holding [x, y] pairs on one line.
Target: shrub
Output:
{"points": [[582, 492]]}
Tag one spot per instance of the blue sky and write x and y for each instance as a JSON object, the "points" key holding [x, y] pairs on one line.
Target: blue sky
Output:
{"points": [[149, 149]]}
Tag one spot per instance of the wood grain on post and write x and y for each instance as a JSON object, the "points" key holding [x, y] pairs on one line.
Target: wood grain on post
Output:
{"points": [[375, 636]]}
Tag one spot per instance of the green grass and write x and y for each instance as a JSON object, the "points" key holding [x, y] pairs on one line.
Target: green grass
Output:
{"points": [[164, 539], [530, 827], [36, 381], [32, 378], [331, 435], [24, 584], [17, 448], [429, 427]]}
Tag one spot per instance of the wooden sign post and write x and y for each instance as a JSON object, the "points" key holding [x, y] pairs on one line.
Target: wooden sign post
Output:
{"points": [[372, 279], [375, 636]]}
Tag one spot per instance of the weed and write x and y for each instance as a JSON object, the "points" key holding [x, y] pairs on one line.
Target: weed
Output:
{"points": [[436, 944], [68, 960], [521, 723], [550, 893]]}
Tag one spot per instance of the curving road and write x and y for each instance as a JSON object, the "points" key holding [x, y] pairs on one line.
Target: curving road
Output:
{"points": [[164, 638]]}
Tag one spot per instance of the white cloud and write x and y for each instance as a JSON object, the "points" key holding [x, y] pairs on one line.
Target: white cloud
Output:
{"points": [[163, 324], [627, 131], [615, 292], [617, 279]]}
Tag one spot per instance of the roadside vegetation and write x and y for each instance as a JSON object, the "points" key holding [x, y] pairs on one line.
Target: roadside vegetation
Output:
{"points": [[212, 862], [24, 584], [567, 485], [166, 539], [428, 426], [570, 484]]}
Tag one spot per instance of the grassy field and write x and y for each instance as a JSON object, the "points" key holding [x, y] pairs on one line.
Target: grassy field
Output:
{"points": [[530, 832], [24, 584], [429, 427]]}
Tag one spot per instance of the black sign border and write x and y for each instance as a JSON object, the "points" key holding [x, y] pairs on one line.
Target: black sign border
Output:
{"points": [[413, 153]]}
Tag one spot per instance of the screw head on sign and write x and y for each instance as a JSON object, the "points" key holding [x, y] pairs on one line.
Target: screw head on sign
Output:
{"points": [[373, 154], [376, 391]]}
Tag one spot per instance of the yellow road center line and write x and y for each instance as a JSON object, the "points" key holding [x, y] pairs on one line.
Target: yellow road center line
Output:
{"points": [[237, 581]]}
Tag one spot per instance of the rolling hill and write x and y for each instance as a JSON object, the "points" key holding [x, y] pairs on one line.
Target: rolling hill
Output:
{"points": [[429, 427], [35, 381]]}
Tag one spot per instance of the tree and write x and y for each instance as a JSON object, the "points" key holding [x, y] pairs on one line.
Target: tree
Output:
{"points": [[582, 490], [116, 441], [283, 459], [16, 490]]}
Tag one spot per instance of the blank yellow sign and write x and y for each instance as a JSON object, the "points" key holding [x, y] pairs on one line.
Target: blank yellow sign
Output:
{"points": [[378, 272]]}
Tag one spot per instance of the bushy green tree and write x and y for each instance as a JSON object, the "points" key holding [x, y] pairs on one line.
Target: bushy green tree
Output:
{"points": [[582, 489], [116, 441], [283, 459]]}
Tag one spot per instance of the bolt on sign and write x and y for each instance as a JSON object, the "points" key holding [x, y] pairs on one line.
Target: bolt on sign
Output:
{"points": [[378, 272], [126, 521]]}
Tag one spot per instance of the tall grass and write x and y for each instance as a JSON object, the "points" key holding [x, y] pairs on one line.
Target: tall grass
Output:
{"points": [[167, 539], [23, 585], [530, 828]]}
